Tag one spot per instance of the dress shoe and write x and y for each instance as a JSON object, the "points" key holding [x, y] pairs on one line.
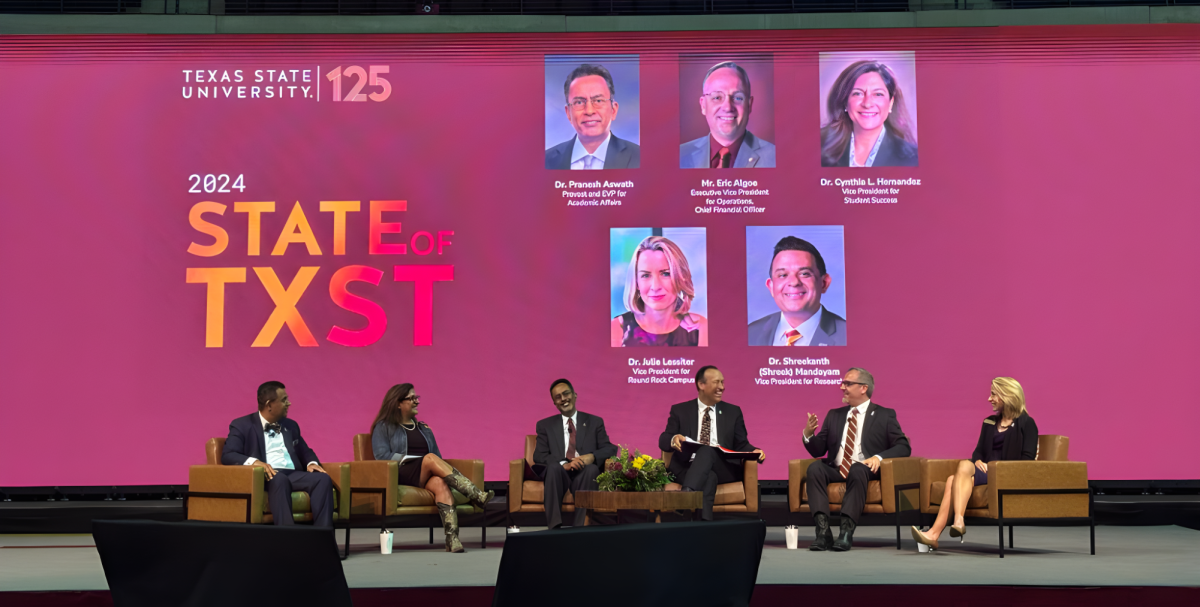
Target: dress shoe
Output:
{"points": [[959, 532], [824, 535], [921, 538], [846, 539]]}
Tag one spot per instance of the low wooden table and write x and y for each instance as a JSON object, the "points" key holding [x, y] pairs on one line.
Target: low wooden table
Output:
{"points": [[654, 501]]}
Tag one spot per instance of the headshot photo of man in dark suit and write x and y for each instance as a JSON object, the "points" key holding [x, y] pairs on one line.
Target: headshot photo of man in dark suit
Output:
{"points": [[269, 439], [572, 445], [591, 108], [796, 281], [713, 423], [726, 103], [855, 439]]}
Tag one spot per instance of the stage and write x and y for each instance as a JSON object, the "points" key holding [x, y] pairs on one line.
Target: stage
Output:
{"points": [[1047, 564]]}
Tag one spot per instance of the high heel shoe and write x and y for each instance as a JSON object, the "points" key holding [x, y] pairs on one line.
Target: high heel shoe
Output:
{"points": [[959, 532], [922, 539]]}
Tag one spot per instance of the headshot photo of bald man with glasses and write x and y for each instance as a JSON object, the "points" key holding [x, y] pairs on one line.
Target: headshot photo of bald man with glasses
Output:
{"points": [[585, 90], [727, 101]]}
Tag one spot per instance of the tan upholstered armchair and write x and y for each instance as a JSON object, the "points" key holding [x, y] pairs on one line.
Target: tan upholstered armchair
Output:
{"points": [[529, 495], [236, 494], [731, 497], [376, 490], [1048, 491], [894, 492]]}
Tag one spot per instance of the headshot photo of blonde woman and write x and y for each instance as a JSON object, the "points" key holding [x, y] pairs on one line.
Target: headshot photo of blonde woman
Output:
{"points": [[658, 285], [869, 110]]}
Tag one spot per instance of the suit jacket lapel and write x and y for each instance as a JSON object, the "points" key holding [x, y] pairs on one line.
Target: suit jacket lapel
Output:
{"points": [[837, 428], [825, 330], [723, 428], [258, 446], [557, 448], [868, 422], [748, 155], [614, 158], [700, 154], [691, 421]]}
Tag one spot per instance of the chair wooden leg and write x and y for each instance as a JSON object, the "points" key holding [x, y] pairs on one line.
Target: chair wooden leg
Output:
{"points": [[1010, 536], [346, 554], [483, 532], [431, 535]]}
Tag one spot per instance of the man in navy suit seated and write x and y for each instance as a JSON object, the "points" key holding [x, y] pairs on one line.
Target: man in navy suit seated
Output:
{"points": [[271, 440]]}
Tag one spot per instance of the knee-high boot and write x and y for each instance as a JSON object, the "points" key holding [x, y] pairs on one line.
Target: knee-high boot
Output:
{"points": [[450, 524], [478, 498]]}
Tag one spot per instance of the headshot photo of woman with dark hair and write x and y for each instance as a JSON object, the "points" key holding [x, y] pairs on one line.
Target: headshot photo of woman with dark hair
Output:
{"points": [[866, 114], [658, 293]]}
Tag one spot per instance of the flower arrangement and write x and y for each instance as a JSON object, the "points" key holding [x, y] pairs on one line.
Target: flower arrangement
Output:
{"points": [[633, 471]]}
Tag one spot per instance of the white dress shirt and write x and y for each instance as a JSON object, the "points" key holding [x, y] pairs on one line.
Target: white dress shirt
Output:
{"points": [[567, 433], [276, 451], [807, 329], [581, 159], [858, 454], [874, 149]]}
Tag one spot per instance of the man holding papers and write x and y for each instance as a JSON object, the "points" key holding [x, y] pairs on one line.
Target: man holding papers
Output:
{"points": [[708, 435]]}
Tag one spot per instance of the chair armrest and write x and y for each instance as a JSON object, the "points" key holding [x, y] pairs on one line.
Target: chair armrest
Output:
{"points": [[516, 483], [339, 473], [470, 468], [897, 471], [797, 473], [750, 480], [229, 480], [932, 471], [1038, 475], [384, 475]]}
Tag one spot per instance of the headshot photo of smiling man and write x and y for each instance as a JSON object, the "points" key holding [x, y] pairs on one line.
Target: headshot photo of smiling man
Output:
{"points": [[717, 134], [868, 109], [582, 110], [802, 301]]}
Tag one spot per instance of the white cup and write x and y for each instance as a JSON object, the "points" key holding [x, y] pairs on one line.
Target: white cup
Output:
{"points": [[385, 542], [792, 534]]}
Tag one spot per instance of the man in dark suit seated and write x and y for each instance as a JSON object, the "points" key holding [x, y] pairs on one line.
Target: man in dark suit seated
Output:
{"points": [[714, 423], [797, 280], [572, 446], [857, 438], [591, 108], [271, 440]]}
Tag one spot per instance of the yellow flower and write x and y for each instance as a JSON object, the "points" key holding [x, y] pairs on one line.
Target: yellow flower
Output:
{"points": [[638, 463]]}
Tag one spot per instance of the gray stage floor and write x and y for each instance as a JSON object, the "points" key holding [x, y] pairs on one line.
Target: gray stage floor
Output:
{"points": [[1125, 556]]}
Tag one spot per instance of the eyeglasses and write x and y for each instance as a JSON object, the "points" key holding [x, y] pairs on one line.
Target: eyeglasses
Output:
{"points": [[414, 398], [564, 397], [718, 98], [847, 384], [580, 103]]}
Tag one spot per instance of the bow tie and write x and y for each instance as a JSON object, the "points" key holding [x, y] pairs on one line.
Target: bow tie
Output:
{"points": [[273, 428]]}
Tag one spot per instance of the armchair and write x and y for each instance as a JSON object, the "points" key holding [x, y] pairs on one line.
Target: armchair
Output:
{"points": [[376, 490], [236, 494], [731, 497], [893, 493], [1048, 491]]}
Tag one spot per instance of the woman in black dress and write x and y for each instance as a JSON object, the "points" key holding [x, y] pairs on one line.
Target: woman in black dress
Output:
{"points": [[397, 435], [1008, 434]]}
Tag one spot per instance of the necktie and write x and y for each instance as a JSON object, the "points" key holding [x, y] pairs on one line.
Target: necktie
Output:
{"points": [[848, 448], [587, 161], [571, 440], [273, 428], [724, 155], [706, 427], [793, 336]]}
